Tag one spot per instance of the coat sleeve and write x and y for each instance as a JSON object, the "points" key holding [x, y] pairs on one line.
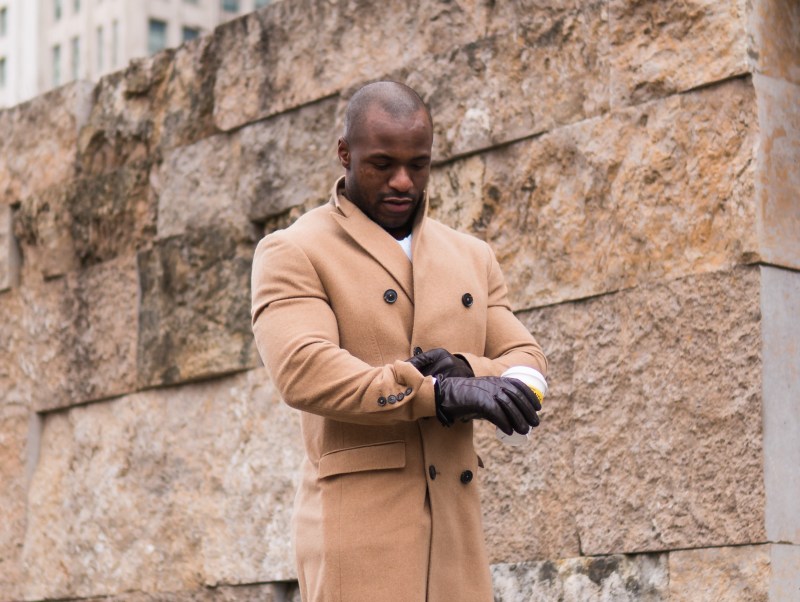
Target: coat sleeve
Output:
{"points": [[508, 342], [297, 336]]}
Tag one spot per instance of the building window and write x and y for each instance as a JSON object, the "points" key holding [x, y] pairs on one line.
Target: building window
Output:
{"points": [[231, 6], [191, 1], [76, 57], [190, 33], [2, 72], [56, 65], [3, 21], [57, 10], [261, 3], [156, 36], [114, 43], [76, 6], [100, 58]]}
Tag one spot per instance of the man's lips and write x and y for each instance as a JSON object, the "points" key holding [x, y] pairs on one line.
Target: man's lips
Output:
{"points": [[397, 204]]}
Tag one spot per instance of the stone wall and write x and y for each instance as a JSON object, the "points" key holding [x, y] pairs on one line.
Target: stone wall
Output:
{"points": [[634, 163]]}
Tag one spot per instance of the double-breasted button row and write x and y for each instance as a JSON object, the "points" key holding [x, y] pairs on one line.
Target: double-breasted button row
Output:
{"points": [[390, 296], [466, 476], [392, 399]]}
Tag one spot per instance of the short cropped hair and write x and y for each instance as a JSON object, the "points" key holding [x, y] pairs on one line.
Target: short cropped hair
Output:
{"points": [[397, 99]]}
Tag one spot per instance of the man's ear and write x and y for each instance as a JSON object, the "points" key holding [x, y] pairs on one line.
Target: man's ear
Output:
{"points": [[343, 150]]}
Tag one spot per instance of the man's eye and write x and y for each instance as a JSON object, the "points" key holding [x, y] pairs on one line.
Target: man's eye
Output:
{"points": [[419, 165], [381, 166]]}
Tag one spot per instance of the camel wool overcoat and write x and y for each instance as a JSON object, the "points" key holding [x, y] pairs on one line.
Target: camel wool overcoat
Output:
{"points": [[388, 508]]}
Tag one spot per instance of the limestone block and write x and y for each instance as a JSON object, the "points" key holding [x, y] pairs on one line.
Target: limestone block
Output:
{"points": [[778, 179], [194, 319], [87, 221], [774, 30], [269, 62], [514, 85], [197, 185], [157, 102], [9, 253], [290, 159], [13, 434], [666, 415], [659, 48], [81, 333], [729, 574], [262, 592], [630, 578], [528, 493], [656, 191], [780, 332], [38, 145], [166, 490]]}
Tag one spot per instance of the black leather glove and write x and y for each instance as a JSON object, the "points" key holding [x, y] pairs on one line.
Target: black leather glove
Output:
{"points": [[505, 402], [440, 361]]}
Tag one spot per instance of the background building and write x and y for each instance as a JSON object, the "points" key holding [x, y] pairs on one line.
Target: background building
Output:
{"points": [[46, 43]]}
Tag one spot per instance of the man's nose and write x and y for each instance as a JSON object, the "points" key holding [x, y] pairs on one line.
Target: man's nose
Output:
{"points": [[401, 180]]}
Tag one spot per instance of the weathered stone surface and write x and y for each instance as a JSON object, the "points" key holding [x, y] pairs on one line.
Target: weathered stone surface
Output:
{"points": [[13, 435], [80, 335], [87, 221], [156, 103], [516, 84], [189, 487], [290, 159], [9, 253], [659, 48], [666, 421], [778, 179], [773, 28], [266, 68], [194, 319], [38, 142], [636, 196], [638, 578], [739, 574], [262, 592], [785, 569], [528, 493], [780, 308]]}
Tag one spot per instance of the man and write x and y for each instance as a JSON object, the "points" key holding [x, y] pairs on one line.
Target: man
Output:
{"points": [[388, 506]]}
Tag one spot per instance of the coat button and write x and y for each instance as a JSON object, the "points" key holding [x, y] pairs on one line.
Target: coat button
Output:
{"points": [[432, 471], [466, 476], [381, 401], [391, 399], [390, 296], [400, 396], [417, 350], [409, 390], [467, 300]]}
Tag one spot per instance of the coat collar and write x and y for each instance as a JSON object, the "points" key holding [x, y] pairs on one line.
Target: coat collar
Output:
{"points": [[375, 240]]}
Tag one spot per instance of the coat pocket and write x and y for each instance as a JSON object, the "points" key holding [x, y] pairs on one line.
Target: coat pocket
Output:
{"points": [[380, 456]]}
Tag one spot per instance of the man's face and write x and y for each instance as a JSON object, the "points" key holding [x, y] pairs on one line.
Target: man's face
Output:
{"points": [[387, 165]]}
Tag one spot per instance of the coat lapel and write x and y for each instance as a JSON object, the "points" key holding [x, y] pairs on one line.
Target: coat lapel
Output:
{"points": [[375, 240]]}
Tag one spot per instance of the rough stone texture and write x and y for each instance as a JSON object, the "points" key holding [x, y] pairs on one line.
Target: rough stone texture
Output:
{"points": [[189, 487], [13, 435], [194, 314], [775, 45], [156, 103], [637, 196], [9, 253], [79, 341], [290, 159], [263, 592], [515, 84], [639, 578], [785, 569], [37, 146], [740, 574], [87, 221], [666, 398], [780, 307], [778, 179], [529, 494], [266, 68], [659, 48]]}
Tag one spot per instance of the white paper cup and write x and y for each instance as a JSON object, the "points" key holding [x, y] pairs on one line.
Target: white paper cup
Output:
{"points": [[535, 380]]}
